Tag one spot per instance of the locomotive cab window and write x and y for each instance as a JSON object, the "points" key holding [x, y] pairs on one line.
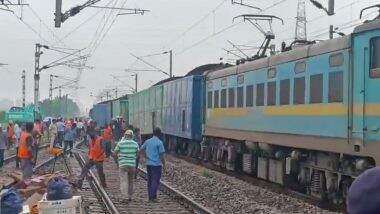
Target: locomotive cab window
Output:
{"points": [[216, 99], [271, 94], [336, 87], [316, 88], [223, 98], [231, 97], [249, 96], [209, 99], [299, 91], [240, 97], [284, 92], [375, 58], [260, 94]]}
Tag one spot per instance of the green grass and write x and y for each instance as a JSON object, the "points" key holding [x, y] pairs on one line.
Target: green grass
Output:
{"points": [[207, 174]]}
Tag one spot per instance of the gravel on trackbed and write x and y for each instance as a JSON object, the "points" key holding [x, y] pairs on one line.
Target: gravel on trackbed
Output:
{"points": [[225, 194]]}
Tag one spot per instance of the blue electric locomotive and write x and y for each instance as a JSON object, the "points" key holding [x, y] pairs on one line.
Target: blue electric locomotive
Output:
{"points": [[308, 117]]}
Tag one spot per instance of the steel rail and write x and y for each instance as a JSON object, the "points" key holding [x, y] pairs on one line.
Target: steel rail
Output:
{"points": [[95, 183], [36, 168], [164, 187], [13, 157]]}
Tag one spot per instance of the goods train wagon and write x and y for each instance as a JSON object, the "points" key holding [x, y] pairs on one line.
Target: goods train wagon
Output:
{"points": [[175, 106], [101, 113], [105, 111], [308, 118], [181, 112], [145, 109]]}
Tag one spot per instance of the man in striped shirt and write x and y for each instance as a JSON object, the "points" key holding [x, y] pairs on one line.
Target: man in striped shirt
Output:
{"points": [[126, 151]]}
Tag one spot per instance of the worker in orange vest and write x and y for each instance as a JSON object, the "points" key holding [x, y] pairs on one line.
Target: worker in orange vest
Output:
{"points": [[25, 152], [108, 139], [96, 157]]}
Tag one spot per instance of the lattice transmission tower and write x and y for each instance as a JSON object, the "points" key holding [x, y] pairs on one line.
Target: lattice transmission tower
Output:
{"points": [[300, 34]]}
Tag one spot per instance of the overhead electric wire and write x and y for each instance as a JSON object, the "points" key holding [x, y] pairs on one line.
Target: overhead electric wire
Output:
{"points": [[346, 25], [46, 26], [207, 38], [84, 22], [198, 22], [106, 32], [102, 25], [55, 61], [273, 5], [31, 28], [225, 29]]}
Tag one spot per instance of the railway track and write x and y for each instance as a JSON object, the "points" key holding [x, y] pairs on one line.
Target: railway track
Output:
{"points": [[11, 158], [43, 161], [100, 200], [170, 200], [239, 190]]}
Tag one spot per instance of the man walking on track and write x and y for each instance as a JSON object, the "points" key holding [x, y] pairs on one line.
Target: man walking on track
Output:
{"points": [[108, 139], [53, 132], [3, 146], [10, 134], [155, 161], [61, 131], [97, 156], [126, 151], [25, 152]]}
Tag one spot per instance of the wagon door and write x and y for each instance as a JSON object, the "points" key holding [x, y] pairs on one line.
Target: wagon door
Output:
{"points": [[366, 89]]}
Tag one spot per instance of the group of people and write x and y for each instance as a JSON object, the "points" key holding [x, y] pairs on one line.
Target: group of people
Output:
{"points": [[24, 139], [64, 133], [126, 149], [126, 152]]}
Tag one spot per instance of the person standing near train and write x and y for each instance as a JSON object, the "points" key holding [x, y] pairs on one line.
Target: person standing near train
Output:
{"points": [[155, 162], [18, 131], [10, 134], [3, 146], [137, 138], [61, 131], [126, 152], [69, 138], [96, 157], [53, 133], [108, 139], [25, 152]]}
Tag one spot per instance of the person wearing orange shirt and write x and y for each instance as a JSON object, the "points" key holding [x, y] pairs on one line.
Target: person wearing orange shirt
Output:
{"points": [[108, 139], [96, 156], [25, 152]]}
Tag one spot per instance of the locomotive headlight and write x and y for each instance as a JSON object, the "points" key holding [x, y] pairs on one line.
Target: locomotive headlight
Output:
{"points": [[362, 164]]}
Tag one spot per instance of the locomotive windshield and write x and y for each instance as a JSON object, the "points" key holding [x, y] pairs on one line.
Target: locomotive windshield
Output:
{"points": [[375, 57]]}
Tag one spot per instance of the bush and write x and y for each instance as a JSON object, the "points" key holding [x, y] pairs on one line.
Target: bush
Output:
{"points": [[2, 117], [207, 173]]}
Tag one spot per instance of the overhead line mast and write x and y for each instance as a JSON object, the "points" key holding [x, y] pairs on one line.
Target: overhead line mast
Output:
{"points": [[300, 34], [62, 17]]}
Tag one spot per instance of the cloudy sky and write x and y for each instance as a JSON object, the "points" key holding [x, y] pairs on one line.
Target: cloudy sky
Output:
{"points": [[196, 30]]}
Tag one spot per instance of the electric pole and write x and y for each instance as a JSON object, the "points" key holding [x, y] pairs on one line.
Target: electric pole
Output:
{"points": [[37, 70], [23, 88], [107, 95], [171, 63], [51, 87], [300, 34], [135, 82], [331, 32]]}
